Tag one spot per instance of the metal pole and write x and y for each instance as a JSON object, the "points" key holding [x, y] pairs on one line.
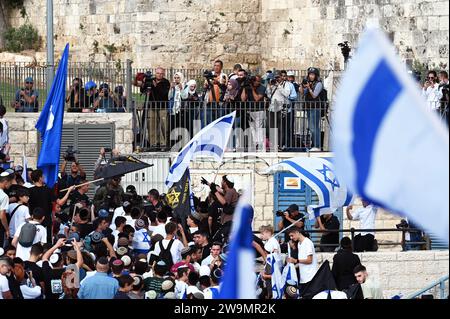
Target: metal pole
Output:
{"points": [[50, 50]]}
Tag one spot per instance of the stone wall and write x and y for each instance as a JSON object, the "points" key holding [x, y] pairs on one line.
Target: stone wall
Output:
{"points": [[300, 33], [403, 272], [267, 33], [23, 136]]}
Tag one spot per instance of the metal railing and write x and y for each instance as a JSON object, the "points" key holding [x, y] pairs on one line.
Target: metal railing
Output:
{"points": [[440, 282], [259, 126], [406, 245]]}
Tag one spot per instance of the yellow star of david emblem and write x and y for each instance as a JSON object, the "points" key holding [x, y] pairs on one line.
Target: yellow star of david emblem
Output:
{"points": [[173, 198]]}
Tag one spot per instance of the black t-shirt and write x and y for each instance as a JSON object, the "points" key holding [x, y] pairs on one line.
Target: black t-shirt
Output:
{"points": [[41, 197], [53, 281], [121, 295], [215, 213], [206, 251], [287, 223], [85, 229], [82, 98], [76, 197], [161, 91], [330, 238], [38, 275]]}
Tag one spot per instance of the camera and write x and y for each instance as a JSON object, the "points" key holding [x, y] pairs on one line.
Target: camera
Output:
{"points": [[147, 81], [108, 149], [403, 224], [208, 75], [245, 82], [204, 181], [305, 81], [69, 155], [279, 213], [345, 49]]}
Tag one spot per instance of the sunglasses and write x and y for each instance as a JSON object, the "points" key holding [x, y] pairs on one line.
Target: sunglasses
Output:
{"points": [[28, 82], [431, 77]]}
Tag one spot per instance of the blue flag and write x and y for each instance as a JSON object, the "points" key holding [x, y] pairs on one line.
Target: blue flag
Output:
{"points": [[390, 147], [238, 281], [50, 123]]}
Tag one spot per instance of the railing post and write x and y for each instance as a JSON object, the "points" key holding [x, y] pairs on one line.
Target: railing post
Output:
{"points": [[352, 235], [442, 289], [403, 240], [129, 83]]}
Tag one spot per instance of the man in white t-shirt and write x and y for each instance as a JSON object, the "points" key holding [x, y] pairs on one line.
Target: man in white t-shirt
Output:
{"points": [[40, 236], [19, 212], [306, 256], [216, 250], [6, 178], [161, 219], [176, 247], [363, 241], [5, 267]]}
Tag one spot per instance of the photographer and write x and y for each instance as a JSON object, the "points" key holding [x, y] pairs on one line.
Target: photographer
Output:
{"points": [[215, 86], [156, 90], [77, 172], [431, 92], [278, 91], [77, 96], [444, 89], [104, 102], [26, 99], [109, 196], [91, 96], [312, 91], [120, 101], [325, 222], [290, 216], [254, 93]]}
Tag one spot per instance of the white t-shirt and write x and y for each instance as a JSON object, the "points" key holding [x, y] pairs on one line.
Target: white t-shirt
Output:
{"points": [[305, 249], [366, 216], [4, 136], [207, 261], [180, 289], [41, 236], [119, 211], [175, 250], [4, 201], [29, 292], [160, 229], [141, 240], [20, 216], [4, 286], [271, 245]]}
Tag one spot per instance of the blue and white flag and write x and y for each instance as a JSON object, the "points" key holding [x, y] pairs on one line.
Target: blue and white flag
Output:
{"points": [[50, 123], [289, 274], [25, 166], [318, 173], [238, 280], [210, 141], [389, 148], [277, 279]]}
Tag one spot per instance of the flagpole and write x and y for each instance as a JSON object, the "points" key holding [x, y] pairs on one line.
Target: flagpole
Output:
{"points": [[283, 230], [79, 185]]}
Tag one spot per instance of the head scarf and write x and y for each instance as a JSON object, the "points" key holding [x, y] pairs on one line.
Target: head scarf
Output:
{"points": [[232, 93], [191, 82], [181, 77]]}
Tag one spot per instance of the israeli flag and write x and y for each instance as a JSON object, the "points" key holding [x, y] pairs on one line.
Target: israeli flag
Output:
{"points": [[210, 141], [238, 281], [50, 123], [389, 148], [277, 279], [318, 173], [289, 274]]}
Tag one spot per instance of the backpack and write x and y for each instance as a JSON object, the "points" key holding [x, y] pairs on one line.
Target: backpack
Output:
{"points": [[165, 254], [27, 234]]}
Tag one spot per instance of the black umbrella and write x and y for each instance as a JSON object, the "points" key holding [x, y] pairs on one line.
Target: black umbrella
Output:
{"points": [[122, 165]]}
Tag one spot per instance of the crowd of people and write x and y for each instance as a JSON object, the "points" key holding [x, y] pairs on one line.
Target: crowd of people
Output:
{"points": [[117, 244]]}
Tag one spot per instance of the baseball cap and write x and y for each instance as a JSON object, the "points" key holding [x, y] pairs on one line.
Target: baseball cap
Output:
{"points": [[72, 236], [290, 73], [229, 178], [292, 208], [29, 79], [89, 85]]}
